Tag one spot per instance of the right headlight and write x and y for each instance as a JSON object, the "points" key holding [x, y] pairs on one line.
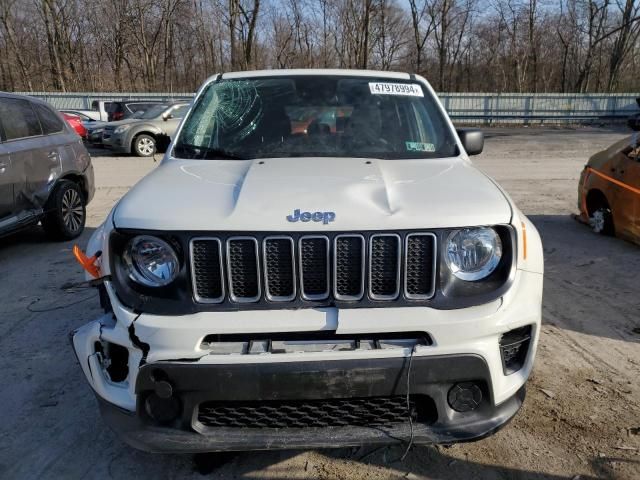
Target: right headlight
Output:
{"points": [[473, 253], [121, 129], [151, 261]]}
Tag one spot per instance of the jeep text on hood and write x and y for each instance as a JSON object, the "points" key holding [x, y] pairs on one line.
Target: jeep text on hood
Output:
{"points": [[315, 263]]}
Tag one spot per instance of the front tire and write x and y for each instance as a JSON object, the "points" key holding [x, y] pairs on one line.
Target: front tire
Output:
{"points": [[65, 212], [601, 221], [144, 145]]}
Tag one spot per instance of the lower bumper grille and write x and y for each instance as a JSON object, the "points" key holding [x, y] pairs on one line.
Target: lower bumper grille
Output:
{"points": [[362, 412]]}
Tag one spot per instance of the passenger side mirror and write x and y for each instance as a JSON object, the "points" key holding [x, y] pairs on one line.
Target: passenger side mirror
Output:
{"points": [[472, 140], [167, 116]]}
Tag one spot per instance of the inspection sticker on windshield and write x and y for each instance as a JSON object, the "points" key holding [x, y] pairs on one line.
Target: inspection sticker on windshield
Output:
{"points": [[411, 89], [420, 147]]}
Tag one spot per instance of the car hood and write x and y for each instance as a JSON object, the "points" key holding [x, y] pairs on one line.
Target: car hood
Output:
{"points": [[258, 195], [127, 121], [95, 125]]}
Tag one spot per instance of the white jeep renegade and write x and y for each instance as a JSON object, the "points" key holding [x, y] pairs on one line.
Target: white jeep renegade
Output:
{"points": [[316, 262]]}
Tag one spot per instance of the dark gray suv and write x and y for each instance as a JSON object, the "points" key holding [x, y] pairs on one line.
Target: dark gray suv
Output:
{"points": [[45, 171]]}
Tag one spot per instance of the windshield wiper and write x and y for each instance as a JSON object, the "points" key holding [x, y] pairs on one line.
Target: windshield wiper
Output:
{"points": [[203, 153]]}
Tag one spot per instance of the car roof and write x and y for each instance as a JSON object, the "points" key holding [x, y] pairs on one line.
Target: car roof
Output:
{"points": [[318, 71], [25, 97]]}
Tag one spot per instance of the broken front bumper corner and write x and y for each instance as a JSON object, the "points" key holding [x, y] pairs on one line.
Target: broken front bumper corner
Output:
{"points": [[87, 344]]}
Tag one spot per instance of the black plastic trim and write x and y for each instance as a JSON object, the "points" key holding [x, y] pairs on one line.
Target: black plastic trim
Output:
{"points": [[177, 298], [193, 384]]}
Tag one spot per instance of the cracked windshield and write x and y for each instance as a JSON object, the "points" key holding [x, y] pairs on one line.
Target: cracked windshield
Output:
{"points": [[315, 116]]}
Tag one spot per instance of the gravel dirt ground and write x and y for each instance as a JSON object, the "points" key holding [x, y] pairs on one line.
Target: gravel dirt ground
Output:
{"points": [[581, 418]]}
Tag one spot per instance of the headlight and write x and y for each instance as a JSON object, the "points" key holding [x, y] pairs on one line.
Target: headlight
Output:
{"points": [[151, 261], [121, 129], [473, 253]]}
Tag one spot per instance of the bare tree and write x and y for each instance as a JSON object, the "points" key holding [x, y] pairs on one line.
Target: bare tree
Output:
{"points": [[160, 45]]}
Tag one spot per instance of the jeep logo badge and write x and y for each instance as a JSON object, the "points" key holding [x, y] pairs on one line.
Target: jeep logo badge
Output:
{"points": [[324, 217]]}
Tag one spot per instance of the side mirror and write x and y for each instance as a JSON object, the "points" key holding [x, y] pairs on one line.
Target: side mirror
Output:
{"points": [[472, 140], [167, 116], [634, 123]]}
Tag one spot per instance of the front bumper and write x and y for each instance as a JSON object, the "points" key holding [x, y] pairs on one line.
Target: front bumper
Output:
{"points": [[430, 376], [117, 142], [464, 348], [94, 137]]}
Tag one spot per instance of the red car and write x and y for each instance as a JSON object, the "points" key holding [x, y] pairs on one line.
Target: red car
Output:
{"points": [[76, 124]]}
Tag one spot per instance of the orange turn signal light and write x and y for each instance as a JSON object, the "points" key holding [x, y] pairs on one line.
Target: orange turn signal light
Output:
{"points": [[88, 263], [524, 241]]}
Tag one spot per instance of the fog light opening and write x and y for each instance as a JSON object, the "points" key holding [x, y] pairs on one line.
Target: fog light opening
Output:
{"points": [[465, 397], [162, 410], [115, 360], [514, 346]]}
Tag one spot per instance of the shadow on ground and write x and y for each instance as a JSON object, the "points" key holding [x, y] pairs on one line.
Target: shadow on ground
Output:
{"points": [[421, 462], [591, 281]]}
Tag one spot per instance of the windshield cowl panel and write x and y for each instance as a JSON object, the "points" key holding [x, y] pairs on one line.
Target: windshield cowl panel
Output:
{"points": [[315, 116]]}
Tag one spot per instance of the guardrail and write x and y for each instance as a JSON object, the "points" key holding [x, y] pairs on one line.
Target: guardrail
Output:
{"points": [[476, 108], [526, 108]]}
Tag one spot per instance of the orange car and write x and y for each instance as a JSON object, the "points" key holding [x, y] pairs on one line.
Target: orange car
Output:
{"points": [[609, 190]]}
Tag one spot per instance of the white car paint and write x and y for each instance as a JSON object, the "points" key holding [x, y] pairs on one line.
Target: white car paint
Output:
{"points": [[254, 196], [363, 193], [94, 115]]}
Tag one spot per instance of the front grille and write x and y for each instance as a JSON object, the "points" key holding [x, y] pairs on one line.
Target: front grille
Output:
{"points": [[243, 269], [420, 265], [384, 268], [206, 263], [314, 267], [362, 412], [349, 268], [279, 268]]}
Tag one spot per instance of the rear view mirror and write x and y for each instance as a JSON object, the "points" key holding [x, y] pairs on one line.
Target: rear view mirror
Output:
{"points": [[472, 140], [634, 123]]}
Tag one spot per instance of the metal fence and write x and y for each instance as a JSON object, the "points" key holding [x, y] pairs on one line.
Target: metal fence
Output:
{"points": [[529, 108], [474, 108]]}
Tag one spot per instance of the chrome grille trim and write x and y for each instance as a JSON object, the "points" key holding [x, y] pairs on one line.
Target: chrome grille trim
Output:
{"points": [[324, 295], [232, 295], [212, 274], [276, 298], [433, 266], [197, 297], [335, 268], [375, 296]]}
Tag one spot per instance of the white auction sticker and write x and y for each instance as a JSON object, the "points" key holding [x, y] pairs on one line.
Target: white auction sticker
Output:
{"points": [[411, 89]]}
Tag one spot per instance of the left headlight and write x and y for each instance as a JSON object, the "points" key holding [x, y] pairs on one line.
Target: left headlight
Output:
{"points": [[473, 253], [150, 261], [121, 129]]}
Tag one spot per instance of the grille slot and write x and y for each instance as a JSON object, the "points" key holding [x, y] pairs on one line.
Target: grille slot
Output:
{"points": [[363, 412], [314, 267], [348, 264], [243, 269], [420, 265], [384, 267], [279, 268], [206, 270]]}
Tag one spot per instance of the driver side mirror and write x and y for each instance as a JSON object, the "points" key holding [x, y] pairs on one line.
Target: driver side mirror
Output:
{"points": [[167, 116], [472, 140]]}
